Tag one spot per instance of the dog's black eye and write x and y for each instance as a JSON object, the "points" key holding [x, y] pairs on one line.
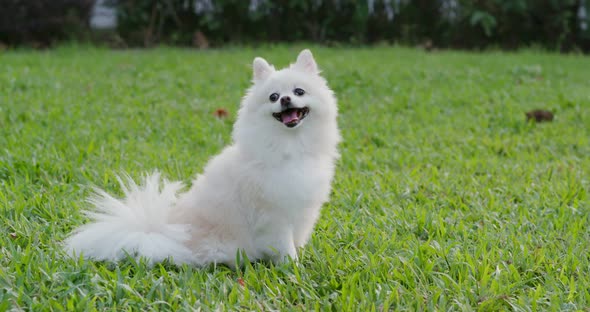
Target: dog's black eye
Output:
{"points": [[299, 91], [274, 97]]}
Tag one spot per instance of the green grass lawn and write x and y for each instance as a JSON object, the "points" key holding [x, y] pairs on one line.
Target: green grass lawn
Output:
{"points": [[444, 199]]}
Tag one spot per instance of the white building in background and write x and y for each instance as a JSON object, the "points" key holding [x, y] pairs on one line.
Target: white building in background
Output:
{"points": [[583, 15], [104, 15]]}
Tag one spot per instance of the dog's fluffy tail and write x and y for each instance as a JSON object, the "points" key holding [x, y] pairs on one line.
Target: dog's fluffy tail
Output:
{"points": [[137, 225]]}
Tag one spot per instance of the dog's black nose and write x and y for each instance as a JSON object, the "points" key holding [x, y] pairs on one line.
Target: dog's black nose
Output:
{"points": [[285, 101]]}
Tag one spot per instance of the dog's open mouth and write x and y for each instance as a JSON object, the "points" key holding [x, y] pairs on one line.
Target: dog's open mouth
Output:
{"points": [[291, 117]]}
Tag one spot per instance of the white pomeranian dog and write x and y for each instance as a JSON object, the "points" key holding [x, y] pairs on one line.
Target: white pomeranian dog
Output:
{"points": [[261, 196]]}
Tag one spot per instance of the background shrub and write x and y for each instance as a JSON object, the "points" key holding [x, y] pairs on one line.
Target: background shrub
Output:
{"points": [[554, 24], [42, 22]]}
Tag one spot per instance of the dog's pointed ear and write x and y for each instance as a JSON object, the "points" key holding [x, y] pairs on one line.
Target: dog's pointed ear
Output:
{"points": [[261, 69], [306, 62]]}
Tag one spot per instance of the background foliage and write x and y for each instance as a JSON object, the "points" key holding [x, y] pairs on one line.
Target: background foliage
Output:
{"points": [[43, 22], [553, 24]]}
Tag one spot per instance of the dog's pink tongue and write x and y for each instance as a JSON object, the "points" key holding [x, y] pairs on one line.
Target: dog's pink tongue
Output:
{"points": [[289, 116]]}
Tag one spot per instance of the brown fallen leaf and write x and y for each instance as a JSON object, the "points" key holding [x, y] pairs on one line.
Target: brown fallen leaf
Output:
{"points": [[539, 115], [221, 113]]}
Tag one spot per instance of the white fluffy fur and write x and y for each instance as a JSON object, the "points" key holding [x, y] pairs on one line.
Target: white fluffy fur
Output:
{"points": [[262, 195]]}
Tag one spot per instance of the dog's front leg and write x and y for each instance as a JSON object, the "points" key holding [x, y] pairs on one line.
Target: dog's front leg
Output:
{"points": [[278, 246]]}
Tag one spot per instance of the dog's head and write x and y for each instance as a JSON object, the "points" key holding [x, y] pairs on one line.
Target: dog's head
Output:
{"points": [[292, 102], [290, 97]]}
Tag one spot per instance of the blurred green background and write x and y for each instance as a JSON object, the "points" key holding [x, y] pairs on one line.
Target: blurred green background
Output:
{"points": [[507, 24]]}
